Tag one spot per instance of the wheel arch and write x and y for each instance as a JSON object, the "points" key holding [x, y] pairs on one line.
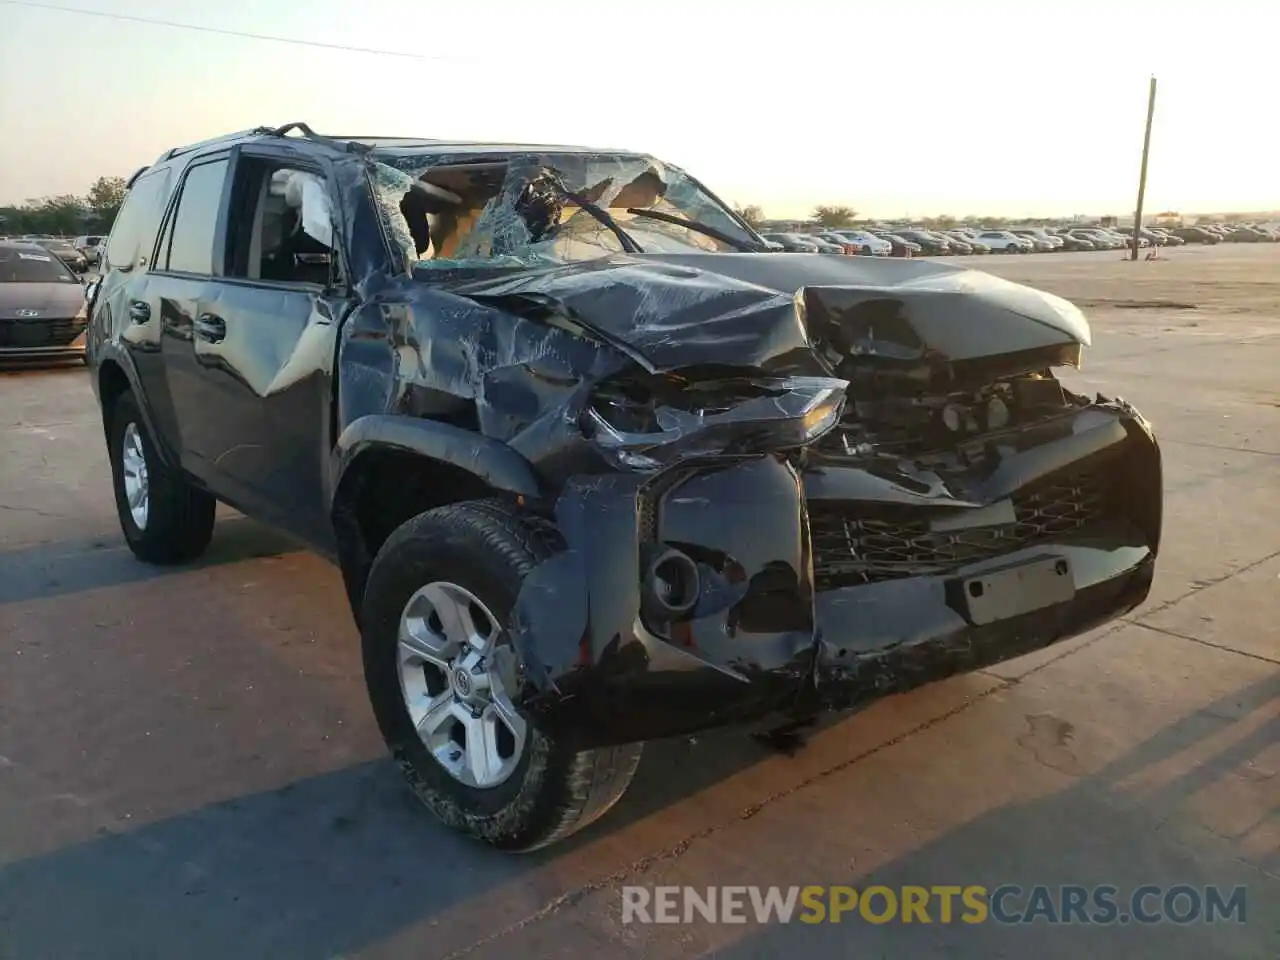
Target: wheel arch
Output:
{"points": [[113, 377], [389, 468], [112, 383]]}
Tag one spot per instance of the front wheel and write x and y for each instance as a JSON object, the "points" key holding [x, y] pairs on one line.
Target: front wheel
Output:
{"points": [[443, 681]]}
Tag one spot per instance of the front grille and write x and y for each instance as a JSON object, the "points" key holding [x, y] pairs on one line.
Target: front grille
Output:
{"points": [[39, 333], [851, 549]]}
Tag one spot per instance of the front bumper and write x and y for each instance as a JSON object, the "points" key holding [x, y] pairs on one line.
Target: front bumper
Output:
{"points": [[36, 341], [776, 629]]}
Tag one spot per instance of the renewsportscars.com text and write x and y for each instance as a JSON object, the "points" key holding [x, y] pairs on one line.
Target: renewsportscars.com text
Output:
{"points": [[940, 903]]}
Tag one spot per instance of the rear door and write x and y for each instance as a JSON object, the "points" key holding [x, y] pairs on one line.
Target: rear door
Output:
{"points": [[123, 308], [257, 341]]}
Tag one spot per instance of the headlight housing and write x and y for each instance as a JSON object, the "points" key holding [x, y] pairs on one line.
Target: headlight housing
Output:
{"points": [[641, 428]]}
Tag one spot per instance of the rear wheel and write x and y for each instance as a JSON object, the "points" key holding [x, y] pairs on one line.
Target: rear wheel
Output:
{"points": [[165, 519], [443, 680]]}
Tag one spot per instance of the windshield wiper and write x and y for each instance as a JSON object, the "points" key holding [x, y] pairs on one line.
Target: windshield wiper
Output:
{"points": [[711, 232], [628, 244]]}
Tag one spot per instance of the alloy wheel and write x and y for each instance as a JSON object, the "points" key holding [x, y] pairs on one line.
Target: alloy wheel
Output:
{"points": [[133, 464], [455, 680]]}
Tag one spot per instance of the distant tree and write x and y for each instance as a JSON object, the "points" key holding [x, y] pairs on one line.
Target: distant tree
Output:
{"points": [[833, 216], [63, 214], [67, 214], [942, 221], [753, 214], [103, 201]]}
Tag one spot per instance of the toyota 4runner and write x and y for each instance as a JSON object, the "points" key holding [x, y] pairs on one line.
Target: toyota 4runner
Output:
{"points": [[597, 466]]}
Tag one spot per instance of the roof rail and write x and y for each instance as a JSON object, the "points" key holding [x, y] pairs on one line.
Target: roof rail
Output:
{"points": [[128, 184], [350, 146], [178, 151]]}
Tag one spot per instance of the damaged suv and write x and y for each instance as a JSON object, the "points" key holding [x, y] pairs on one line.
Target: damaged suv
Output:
{"points": [[596, 466]]}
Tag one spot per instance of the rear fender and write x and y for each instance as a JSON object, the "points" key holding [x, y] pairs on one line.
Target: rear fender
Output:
{"points": [[108, 354]]}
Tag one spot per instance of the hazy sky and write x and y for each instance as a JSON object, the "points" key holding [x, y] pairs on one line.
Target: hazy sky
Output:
{"points": [[893, 108]]}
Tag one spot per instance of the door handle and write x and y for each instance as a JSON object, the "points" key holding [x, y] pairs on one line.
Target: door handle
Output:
{"points": [[211, 328], [139, 311]]}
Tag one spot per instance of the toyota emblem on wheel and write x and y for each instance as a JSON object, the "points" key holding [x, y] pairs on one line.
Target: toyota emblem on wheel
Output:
{"points": [[462, 683]]}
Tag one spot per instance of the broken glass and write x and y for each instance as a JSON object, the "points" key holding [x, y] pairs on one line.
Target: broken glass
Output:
{"points": [[537, 213]]}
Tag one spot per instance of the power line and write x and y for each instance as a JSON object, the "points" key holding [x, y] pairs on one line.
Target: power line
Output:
{"points": [[242, 34]]}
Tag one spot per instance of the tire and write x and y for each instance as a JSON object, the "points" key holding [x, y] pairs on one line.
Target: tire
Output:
{"points": [[1011, 248], [485, 548], [178, 523]]}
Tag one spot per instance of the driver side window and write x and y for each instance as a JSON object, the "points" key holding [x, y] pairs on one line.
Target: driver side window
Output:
{"points": [[282, 225]]}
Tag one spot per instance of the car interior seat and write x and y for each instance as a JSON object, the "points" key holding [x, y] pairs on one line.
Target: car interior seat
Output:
{"points": [[268, 232], [279, 248], [459, 227]]}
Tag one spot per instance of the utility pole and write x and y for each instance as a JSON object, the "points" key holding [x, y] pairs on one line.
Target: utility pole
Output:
{"points": [[1142, 177]]}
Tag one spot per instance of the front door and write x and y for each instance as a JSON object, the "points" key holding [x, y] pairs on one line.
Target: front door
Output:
{"points": [[252, 349]]}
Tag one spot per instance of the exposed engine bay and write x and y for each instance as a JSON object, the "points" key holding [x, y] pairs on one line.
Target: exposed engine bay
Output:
{"points": [[951, 428]]}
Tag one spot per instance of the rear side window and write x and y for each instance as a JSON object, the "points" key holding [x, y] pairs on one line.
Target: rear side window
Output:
{"points": [[196, 219], [134, 231]]}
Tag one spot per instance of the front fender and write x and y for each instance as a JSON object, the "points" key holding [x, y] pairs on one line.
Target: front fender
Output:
{"points": [[491, 461], [495, 466]]}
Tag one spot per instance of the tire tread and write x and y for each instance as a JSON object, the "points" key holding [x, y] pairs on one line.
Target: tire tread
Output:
{"points": [[180, 517], [584, 785]]}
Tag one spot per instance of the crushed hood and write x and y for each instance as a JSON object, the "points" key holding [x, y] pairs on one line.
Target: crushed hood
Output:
{"points": [[769, 310]]}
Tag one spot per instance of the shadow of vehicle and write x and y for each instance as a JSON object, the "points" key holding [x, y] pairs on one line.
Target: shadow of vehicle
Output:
{"points": [[1098, 832], [315, 869], [55, 569]]}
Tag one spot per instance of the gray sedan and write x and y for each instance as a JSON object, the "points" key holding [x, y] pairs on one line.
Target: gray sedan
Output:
{"points": [[42, 305]]}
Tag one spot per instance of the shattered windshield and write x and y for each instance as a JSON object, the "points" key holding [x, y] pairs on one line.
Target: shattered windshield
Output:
{"points": [[554, 208]]}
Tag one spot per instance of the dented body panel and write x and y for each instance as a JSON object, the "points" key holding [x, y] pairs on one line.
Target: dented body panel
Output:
{"points": [[768, 635], [784, 482]]}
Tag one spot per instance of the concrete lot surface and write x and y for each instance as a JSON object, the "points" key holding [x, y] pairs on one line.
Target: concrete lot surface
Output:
{"points": [[189, 768]]}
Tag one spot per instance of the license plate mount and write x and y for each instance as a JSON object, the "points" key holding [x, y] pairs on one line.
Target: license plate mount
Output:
{"points": [[1018, 588]]}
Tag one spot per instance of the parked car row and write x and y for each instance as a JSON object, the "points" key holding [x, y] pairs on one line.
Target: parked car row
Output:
{"points": [[1229, 233], [884, 240], [78, 253], [1044, 239], [905, 241]]}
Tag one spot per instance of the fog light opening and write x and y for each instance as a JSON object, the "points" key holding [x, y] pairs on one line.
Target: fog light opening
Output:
{"points": [[671, 586]]}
